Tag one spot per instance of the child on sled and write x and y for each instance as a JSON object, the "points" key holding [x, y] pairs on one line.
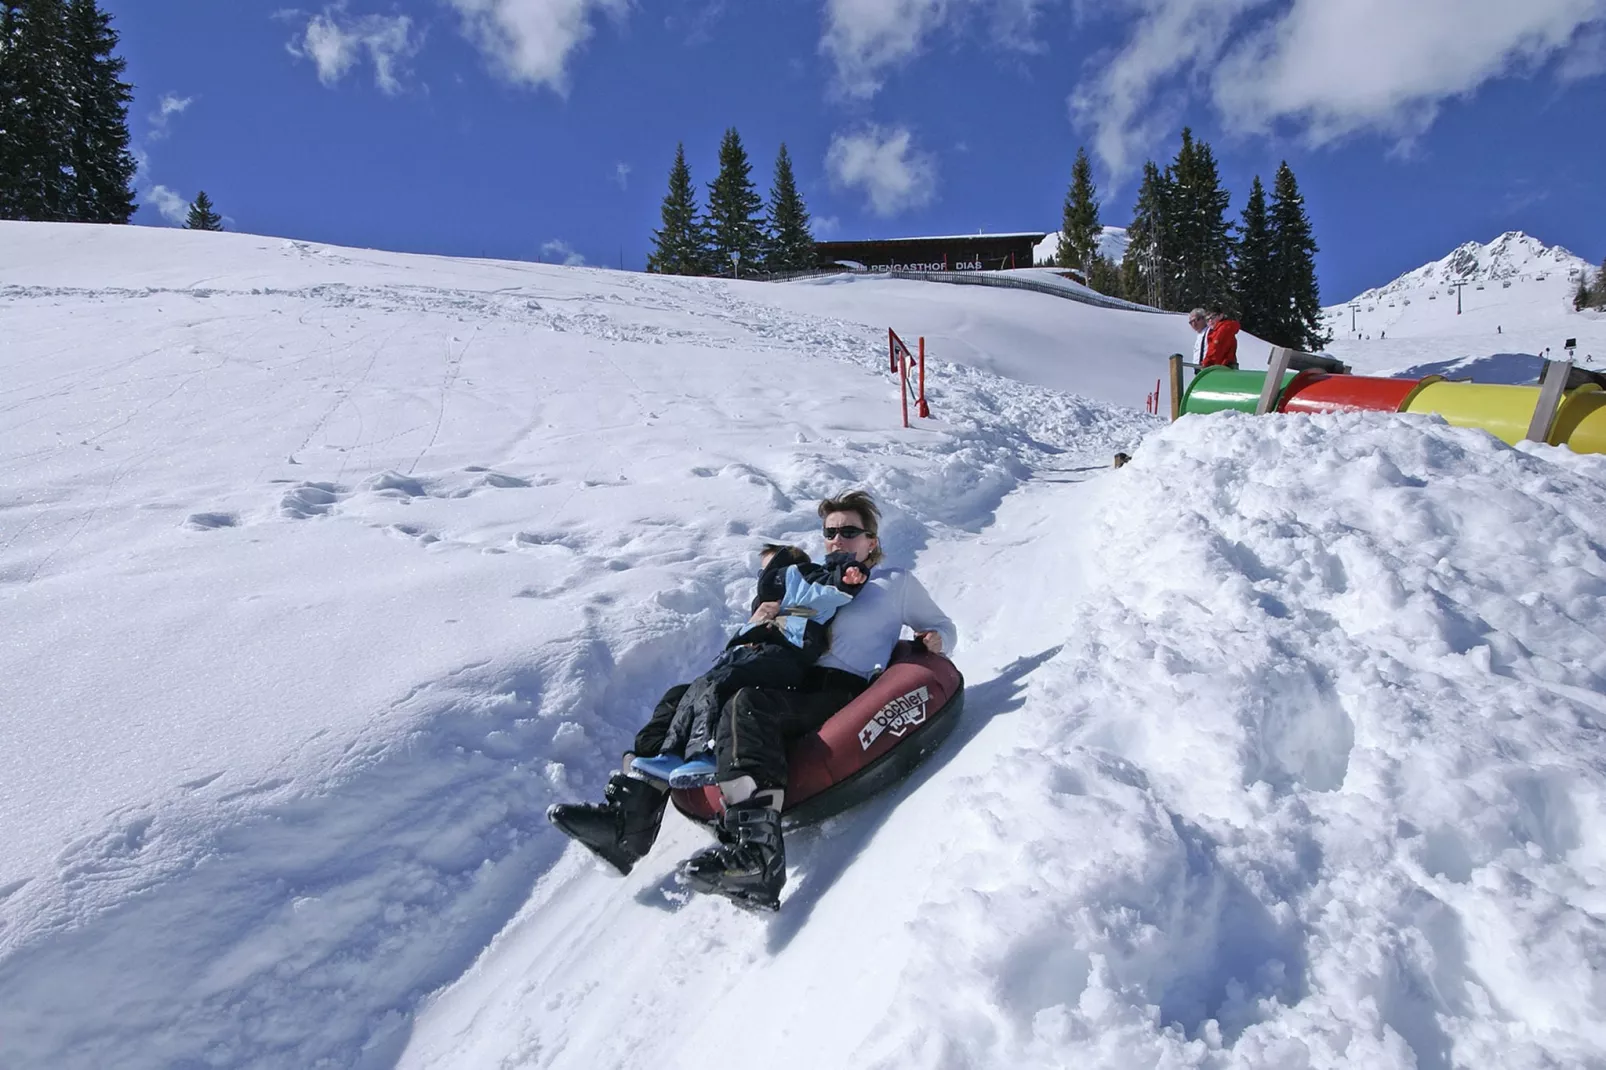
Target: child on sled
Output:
{"points": [[775, 653]]}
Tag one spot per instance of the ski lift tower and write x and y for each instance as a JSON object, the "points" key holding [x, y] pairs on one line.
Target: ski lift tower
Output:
{"points": [[1458, 286]]}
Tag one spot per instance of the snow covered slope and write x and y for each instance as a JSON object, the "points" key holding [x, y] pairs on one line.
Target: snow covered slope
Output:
{"points": [[331, 568], [1517, 298]]}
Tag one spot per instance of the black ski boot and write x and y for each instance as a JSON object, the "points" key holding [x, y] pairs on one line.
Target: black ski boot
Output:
{"points": [[749, 865], [619, 830]]}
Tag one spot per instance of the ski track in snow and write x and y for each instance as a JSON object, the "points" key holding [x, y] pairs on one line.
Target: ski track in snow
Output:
{"points": [[1282, 745]]}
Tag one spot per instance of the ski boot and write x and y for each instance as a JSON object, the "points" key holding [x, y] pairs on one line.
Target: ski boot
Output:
{"points": [[749, 865], [620, 829]]}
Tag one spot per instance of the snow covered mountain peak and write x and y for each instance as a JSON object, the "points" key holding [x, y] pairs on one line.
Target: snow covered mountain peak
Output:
{"points": [[1513, 255]]}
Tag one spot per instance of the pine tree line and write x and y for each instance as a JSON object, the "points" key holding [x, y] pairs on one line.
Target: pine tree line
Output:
{"points": [[63, 114], [1182, 251], [737, 234]]}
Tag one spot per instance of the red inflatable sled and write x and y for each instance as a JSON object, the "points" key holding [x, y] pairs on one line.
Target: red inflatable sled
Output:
{"points": [[866, 746]]}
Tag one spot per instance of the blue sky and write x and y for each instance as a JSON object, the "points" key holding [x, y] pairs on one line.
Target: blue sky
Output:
{"points": [[544, 129]]}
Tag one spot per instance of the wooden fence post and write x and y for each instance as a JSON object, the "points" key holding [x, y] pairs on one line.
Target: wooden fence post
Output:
{"points": [[1275, 367], [1176, 386], [1552, 385]]}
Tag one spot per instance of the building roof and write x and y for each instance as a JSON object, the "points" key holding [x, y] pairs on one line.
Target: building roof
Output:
{"points": [[1036, 236]]}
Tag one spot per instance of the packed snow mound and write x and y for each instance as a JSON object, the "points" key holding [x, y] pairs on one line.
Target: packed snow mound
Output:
{"points": [[1315, 779], [1513, 255]]}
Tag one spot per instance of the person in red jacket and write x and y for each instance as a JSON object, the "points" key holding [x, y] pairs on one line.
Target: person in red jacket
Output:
{"points": [[1221, 345]]}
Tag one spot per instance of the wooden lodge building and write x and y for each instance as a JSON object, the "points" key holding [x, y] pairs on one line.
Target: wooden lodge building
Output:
{"points": [[961, 252]]}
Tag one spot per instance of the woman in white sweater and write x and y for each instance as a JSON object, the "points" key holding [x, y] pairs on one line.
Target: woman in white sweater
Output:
{"points": [[757, 725]]}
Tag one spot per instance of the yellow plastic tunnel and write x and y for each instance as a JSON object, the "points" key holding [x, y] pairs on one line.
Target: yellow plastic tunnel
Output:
{"points": [[1503, 411], [1506, 411], [1581, 422]]}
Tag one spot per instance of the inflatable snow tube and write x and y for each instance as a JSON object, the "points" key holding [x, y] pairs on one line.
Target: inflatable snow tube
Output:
{"points": [[866, 746], [1313, 392], [1218, 389]]}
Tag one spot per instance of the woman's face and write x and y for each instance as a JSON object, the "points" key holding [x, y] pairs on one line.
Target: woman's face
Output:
{"points": [[837, 539]]}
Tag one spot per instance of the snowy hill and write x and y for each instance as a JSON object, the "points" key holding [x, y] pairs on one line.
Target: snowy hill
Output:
{"points": [[1516, 299], [328, 569], [1112, 245]]}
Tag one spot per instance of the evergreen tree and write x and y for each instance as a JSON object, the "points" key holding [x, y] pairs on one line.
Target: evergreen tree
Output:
{"points": [[35, 113], [1080, 230], [1600, 286], [734, 223], [1199, 235], [1296, 313], [1583, 297], [201, 215], [1252, 269], [1105, 276], [103, 168], [789, 244], [1146, 268], [678, 248], [10, 110]]}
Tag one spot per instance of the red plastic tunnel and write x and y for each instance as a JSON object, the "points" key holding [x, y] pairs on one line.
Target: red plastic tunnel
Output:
{"points": [[1313, 391]]}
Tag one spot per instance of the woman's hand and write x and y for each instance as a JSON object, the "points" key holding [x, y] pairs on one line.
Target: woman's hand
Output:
{"points": [[766, 611], [932, 641]]}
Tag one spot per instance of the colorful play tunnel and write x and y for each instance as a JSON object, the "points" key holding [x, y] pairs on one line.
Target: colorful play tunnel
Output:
{"points": [[1503, 411]]}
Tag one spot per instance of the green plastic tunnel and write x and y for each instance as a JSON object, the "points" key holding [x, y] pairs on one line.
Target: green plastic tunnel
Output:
{"points": [[1218, 389]]}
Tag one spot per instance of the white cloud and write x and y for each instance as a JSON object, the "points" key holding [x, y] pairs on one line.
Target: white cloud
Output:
{"points": [[867, 39], [171, 104], [1328, 69], [1340, 68], [560, 251], [885, 166], [335, 41], [530, 41], [174, 209], [1587, 56], [621, 175], [1124, 105], [825, 225]]}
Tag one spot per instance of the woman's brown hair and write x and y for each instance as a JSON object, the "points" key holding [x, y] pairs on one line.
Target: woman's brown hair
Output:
{"points": [[863, 506]]}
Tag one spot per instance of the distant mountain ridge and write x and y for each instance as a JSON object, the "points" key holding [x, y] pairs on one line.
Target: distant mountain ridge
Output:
{"points": [[1513, 255]]}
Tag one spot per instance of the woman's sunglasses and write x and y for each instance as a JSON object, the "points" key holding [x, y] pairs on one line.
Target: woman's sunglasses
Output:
{"points": [[846, 531]]}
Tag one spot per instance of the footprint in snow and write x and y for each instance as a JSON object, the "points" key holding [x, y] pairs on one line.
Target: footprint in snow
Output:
{"points": [[307, 500]]}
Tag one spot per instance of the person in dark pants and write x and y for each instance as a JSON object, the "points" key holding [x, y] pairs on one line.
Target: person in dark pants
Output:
{"points": [[771, 653], [757, 725]]}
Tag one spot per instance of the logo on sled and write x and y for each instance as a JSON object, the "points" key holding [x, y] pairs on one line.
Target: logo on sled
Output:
{"points": [[897, 717]]}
